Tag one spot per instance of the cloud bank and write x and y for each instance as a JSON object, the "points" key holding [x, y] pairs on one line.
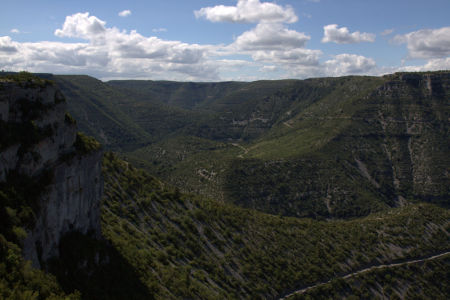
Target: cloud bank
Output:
{"points": [[427, 43], [269, 50], [107, 52]]}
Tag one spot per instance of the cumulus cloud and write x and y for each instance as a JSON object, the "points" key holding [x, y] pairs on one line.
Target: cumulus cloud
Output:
{"points": [[343, 36], [248, 11], [125, 13], [304, 57], [270, 37], [120, 44], [276, 44], [427, 43], [81, 25], [345, 64], [108, 52], [7, 45], [272, 50]]}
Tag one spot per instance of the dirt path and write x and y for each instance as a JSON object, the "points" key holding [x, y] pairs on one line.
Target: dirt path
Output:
{"points": [[242, 148], [287, 124], [301, 291]]}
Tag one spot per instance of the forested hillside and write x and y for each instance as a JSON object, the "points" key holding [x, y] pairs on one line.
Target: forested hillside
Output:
{"points": [[322, 188], [185, 246], [324, 148]]}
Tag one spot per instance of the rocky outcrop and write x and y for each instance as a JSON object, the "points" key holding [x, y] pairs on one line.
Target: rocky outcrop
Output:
{"points": [[413, 111], [72, 203], [38, 137]]}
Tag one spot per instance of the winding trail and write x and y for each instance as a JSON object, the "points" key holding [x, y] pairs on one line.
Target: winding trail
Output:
{"points": [[242, 148], [303, 290], [288, 125]]}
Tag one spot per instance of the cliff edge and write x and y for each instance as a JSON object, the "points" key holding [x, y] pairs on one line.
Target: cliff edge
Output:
{"points": [[55, 170]]}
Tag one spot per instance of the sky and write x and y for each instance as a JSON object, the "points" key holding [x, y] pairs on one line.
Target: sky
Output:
{"points": [[222, 40]]}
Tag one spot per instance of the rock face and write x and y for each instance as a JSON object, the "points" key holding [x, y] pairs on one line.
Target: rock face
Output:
{"points": [[393, 150], [413, 111], [38, 137]]}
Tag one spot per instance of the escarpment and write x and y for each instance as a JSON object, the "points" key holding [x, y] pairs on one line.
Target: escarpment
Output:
{"points": [[413, 117], [47, 165], [384, 147]]}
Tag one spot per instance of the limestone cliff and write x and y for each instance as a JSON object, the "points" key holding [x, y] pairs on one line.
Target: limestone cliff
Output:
{"points": [[38, 139], [383, 147], [413, 113]]}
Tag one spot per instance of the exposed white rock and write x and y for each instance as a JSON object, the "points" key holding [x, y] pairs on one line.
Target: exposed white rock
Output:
{"points": [[72, 201]]}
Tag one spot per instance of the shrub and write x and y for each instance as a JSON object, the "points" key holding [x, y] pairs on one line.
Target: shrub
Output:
{"points": [[85, 144]]}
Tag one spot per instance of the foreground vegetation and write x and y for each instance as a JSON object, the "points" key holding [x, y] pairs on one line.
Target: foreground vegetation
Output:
{"points": [[183, 246], [427, 280]]}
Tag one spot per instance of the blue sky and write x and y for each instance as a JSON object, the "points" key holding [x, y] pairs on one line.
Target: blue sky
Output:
{"points": [[215, 40]]}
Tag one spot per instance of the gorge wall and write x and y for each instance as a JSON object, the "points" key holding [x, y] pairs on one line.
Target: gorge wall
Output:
{"points": [[40, 144]]}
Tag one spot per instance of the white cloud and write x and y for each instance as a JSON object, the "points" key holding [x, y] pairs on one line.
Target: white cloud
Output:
{"points": [[432, 65], [304, 57], [111, 53], [7, 45], [108, 52], [343, 36], [128, 45], [81, 25], [275, 44], [346, 64], [159, 30], [15, 30], [125, 13], [269, 51], [427, 43], [248, 11], [270, 37]]}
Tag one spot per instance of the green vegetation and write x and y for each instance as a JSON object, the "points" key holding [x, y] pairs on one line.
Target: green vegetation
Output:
{"points": [[99, 112], [183, 246], [415, 281], [324, 148], [18, 280], [25, 79], [85, 144], [293, 188], [291, 183], [69, 119]]}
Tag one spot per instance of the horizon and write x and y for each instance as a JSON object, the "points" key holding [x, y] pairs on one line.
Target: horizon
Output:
{"points": [[224, 40], [224, 81]]}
